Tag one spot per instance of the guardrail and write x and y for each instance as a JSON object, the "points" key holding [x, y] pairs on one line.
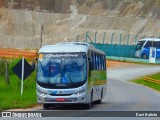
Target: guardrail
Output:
{"points": [[152, 80]]}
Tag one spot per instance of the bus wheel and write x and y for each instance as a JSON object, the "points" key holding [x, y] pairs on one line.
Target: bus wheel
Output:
{"points": [[100, 101], [144, 56], [89, 105], [46, 106]]}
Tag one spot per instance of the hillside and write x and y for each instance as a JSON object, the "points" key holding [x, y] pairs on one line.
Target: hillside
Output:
{"points": [[21, 21]]}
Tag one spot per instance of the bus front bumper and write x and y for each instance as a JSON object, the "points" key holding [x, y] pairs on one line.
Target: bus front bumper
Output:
{"points": [[138, 54], [72, 99]]}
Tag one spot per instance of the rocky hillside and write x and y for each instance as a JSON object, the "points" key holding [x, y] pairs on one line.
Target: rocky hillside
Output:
{"points": [[24, 22]]}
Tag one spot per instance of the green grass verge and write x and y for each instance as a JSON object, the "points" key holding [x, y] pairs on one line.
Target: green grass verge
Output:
{"points": [[10, 94], [149, 84]]}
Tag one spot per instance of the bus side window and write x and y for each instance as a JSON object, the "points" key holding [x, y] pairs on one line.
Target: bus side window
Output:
{"points": [[100, 65], [148, 44], [104, 62], [156, 44], [95, 59], [91, 61], [96, 63]]}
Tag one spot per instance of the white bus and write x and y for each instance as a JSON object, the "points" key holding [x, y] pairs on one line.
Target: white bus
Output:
{"points": [[71, 73], [143, 47]]}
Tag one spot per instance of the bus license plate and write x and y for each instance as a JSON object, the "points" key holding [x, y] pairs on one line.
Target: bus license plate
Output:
{"points": [[60, 99]]}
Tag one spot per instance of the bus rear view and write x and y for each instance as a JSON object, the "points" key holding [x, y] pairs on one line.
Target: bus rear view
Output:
{"points": [[62, 75]]}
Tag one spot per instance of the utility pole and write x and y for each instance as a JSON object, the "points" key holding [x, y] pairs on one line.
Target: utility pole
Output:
{"points": [[41, 34]]}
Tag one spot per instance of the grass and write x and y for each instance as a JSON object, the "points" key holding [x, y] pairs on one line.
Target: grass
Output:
{"points": [[10, 94], [149, 84]]}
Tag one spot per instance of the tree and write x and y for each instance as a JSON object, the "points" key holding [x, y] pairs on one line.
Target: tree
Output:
{"points": [[7, 74]]}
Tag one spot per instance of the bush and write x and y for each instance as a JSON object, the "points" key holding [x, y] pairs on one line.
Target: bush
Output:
{"points": [[11, 63], [10, 94]]}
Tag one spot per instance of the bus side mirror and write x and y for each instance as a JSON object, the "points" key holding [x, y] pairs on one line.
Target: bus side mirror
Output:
{"points": [[34, 63]]}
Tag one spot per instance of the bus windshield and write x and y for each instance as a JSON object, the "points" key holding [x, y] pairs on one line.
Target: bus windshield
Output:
{"points": [[61, 70], [140, 44]]}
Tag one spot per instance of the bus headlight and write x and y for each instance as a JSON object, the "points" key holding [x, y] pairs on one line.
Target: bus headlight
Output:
{"points": [[80, 92], [41, 93]]}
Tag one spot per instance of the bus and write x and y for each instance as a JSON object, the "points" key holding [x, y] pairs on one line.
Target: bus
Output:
{"points": [[143, 47], [71, 73]]}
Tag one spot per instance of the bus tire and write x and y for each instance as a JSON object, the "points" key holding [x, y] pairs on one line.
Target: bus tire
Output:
{"points": [[46, 106], [100, 100], [144, 56], [89, 105]]}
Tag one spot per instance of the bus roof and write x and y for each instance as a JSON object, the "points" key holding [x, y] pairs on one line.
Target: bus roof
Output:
{"points": [[69, 47], [150, 39]]}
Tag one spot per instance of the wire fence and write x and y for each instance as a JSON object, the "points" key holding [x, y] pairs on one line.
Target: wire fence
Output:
{"points": [[113, 37], [118, 46]]}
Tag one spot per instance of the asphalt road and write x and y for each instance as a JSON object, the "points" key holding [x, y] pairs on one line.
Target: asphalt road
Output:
{"points": [[123, 95]]}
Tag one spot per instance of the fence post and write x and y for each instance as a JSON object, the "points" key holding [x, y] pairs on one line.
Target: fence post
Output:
{"points": [[42, 27], [128, 39], [104, 48], [135, 40], [95, 37], [87, 36], [112, 47], [104, 36], [120, 39], [77, 37], [112, 38]]}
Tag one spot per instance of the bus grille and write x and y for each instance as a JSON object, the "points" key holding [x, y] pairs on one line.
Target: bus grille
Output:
{"points": [[60, 94]]}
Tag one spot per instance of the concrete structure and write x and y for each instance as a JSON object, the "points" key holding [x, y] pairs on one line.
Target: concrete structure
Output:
{"points": [[62, 20]]}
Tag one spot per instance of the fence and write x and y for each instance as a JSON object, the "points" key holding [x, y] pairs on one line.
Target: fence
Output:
{"points": [[117, 46], [117, 50]]}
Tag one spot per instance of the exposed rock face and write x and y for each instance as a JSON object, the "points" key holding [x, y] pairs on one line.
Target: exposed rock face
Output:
{"points": [[21, 21]]}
